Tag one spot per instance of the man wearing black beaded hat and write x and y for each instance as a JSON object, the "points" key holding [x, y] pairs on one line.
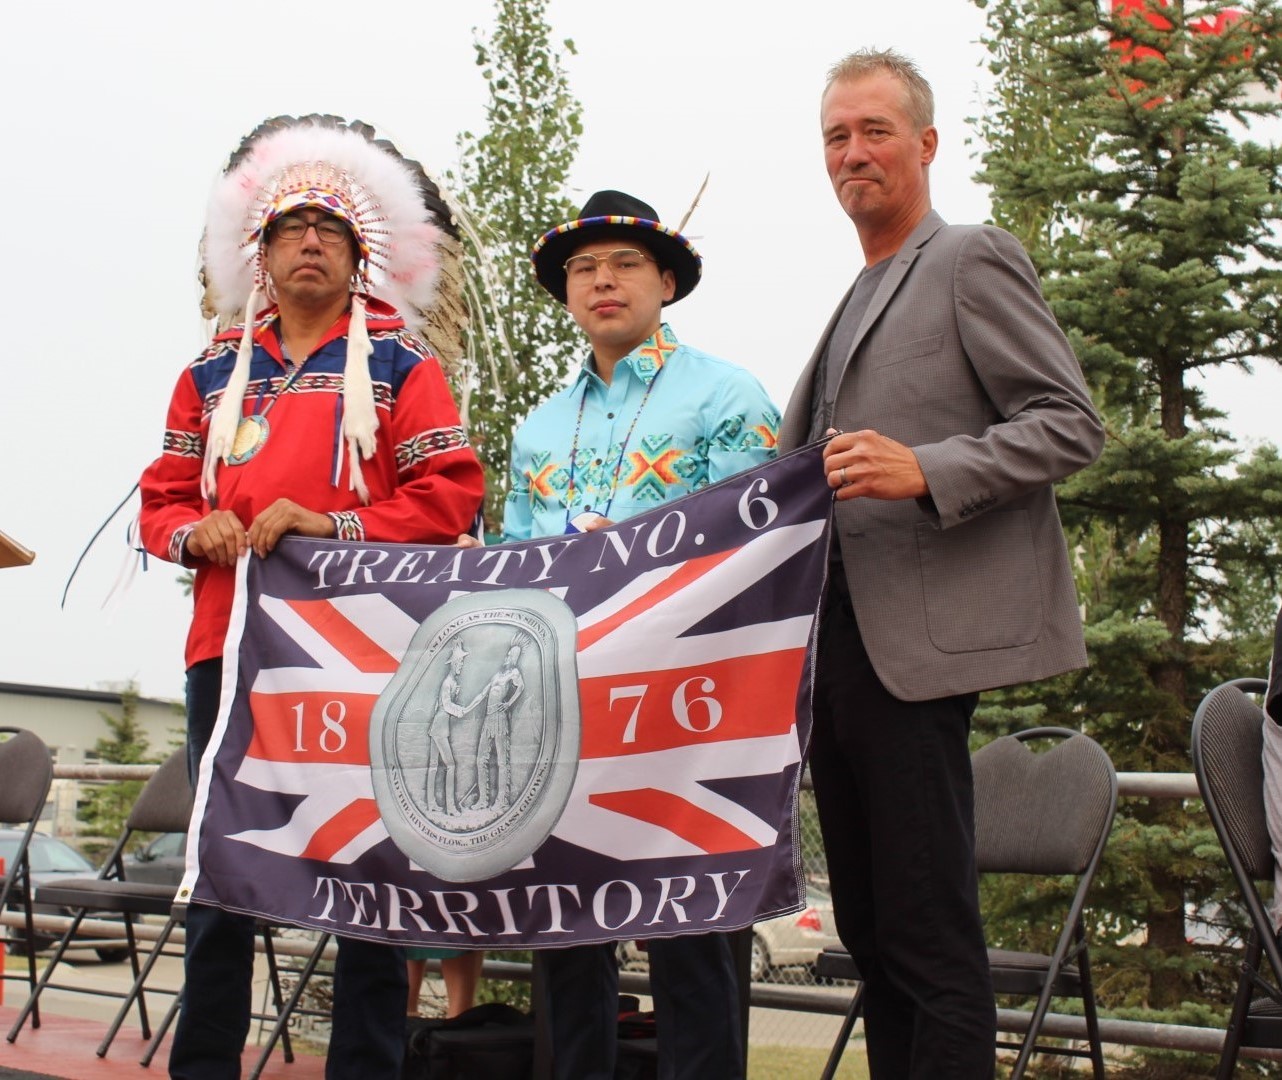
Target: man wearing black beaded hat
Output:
{"points": [[648, 419]]}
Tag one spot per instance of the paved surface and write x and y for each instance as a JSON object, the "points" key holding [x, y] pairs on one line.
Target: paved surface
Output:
{"points": [[74, 1023]]}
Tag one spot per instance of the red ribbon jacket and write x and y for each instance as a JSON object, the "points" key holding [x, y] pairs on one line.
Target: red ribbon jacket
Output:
{"points": [[425, 483]]}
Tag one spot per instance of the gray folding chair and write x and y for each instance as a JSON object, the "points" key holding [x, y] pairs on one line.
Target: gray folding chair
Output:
{"points": [[1047, 814], [1227, 744], [26, 773]]}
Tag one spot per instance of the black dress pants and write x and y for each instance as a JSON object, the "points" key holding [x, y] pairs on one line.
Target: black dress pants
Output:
{"points": [[696, 1009], [894, 791]]}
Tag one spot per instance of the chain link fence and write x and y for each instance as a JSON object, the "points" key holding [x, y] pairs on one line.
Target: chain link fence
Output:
{"points": [[788, 1039]]}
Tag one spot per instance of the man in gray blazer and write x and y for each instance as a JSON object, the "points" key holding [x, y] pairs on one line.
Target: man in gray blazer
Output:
{"points": [[957, 403]]}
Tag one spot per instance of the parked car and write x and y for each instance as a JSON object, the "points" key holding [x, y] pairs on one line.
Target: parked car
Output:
{"points": [[794, 940], [51, 861], [161, 862]]}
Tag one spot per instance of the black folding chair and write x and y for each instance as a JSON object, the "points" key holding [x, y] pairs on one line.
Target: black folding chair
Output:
{"points": [[1035, 813], [26, 773], [284, 1008], [1228, 742], [164, 805]]}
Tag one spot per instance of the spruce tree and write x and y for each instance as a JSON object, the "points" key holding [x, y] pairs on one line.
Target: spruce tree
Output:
{"points": [[1119, 142], [106, 806]]}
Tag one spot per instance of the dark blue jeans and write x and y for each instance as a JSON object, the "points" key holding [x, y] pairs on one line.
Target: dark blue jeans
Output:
{"points": [[367, 1039]]}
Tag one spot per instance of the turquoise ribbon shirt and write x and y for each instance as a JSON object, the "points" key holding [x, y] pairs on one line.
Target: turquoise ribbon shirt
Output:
{"points": [[672, 420]]}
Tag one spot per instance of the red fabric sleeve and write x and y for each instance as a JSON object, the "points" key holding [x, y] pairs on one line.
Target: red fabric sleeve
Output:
{"points": [[439, 482]]}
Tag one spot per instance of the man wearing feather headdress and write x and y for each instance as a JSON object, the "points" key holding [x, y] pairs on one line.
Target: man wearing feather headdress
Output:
{"points": [[322, 414], [648, 419], [954, 402]]}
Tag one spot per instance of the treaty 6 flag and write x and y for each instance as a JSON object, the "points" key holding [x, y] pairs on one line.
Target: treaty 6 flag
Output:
{"points": [[580, 738]]}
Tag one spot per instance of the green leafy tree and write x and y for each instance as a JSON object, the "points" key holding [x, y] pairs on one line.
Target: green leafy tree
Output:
{"points": [[1117, 145], [105, 806], [512, 181]]}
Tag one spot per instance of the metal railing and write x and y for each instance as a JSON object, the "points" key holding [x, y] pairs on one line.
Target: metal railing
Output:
{"points": [[1154, 1035]]}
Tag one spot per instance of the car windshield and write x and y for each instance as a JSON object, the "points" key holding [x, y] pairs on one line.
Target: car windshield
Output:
{"points": [[47, 856], [167, 844]]}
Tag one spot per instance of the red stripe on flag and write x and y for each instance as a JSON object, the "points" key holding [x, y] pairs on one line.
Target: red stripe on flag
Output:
{"points": [[341, 829], [345, 636], [313, 727], [692, 823], [691, 571], [635, 713]]}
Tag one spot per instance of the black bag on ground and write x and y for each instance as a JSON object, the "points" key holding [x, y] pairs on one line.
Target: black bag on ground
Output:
{"points": [[493, 1041], [638, 1051]]}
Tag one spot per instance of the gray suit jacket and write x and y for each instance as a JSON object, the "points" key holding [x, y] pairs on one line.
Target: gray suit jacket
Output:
{"points": [[959, 358]]}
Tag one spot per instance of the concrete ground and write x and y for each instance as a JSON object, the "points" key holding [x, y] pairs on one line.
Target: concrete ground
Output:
{"points": [[74, 1022]]}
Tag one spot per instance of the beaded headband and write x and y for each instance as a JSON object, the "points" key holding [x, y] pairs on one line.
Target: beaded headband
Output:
{"points": [[335, 201]]}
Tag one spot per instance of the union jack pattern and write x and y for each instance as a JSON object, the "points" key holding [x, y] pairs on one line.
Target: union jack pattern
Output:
{"points": [[691, 653]]}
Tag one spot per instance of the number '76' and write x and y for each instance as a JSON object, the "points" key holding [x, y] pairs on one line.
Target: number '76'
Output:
{"points": [[682, 705]]}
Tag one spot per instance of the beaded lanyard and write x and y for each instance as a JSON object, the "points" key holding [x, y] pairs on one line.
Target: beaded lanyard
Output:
{"points": [[618, 465], [253, 431], [289, 381]]}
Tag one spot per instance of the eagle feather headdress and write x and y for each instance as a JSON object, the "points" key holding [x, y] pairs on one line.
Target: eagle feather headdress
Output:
{"points": [[412, 228], [405, 229]]}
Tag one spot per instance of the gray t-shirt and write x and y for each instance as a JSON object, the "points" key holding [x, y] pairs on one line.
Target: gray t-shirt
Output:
{"points": [[828, 372]]}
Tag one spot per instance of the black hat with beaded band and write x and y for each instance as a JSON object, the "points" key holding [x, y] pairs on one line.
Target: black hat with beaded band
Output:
{"points": [[614, 214]]}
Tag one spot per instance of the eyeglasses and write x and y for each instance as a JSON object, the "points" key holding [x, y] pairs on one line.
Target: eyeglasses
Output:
{"points": [[330, 230], [621, 261]]}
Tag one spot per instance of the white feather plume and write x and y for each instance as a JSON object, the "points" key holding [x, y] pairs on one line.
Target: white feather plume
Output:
{"points": [[402, 238]]}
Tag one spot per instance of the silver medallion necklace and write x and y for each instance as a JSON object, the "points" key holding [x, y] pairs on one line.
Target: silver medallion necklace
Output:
{"points": [[253, 430]]}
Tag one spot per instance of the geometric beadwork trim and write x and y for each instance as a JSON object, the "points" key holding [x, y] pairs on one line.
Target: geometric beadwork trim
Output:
{"points": [[411, 342], [178, 543], [347, 525], [320, 383], [217, 349], [426, 444], [184, 444]]}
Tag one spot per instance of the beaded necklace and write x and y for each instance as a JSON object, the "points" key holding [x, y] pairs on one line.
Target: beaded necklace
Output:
{"points": [[623, 449]]}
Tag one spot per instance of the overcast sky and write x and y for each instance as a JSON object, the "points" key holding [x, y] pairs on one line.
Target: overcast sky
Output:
{"points": [[120, 116]]}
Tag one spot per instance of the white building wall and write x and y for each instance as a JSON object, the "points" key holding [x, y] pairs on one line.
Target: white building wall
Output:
{"points": [[70, 722]]}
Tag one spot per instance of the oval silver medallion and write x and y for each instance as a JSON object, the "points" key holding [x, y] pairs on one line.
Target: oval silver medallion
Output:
{"points": [[474, 743]]}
